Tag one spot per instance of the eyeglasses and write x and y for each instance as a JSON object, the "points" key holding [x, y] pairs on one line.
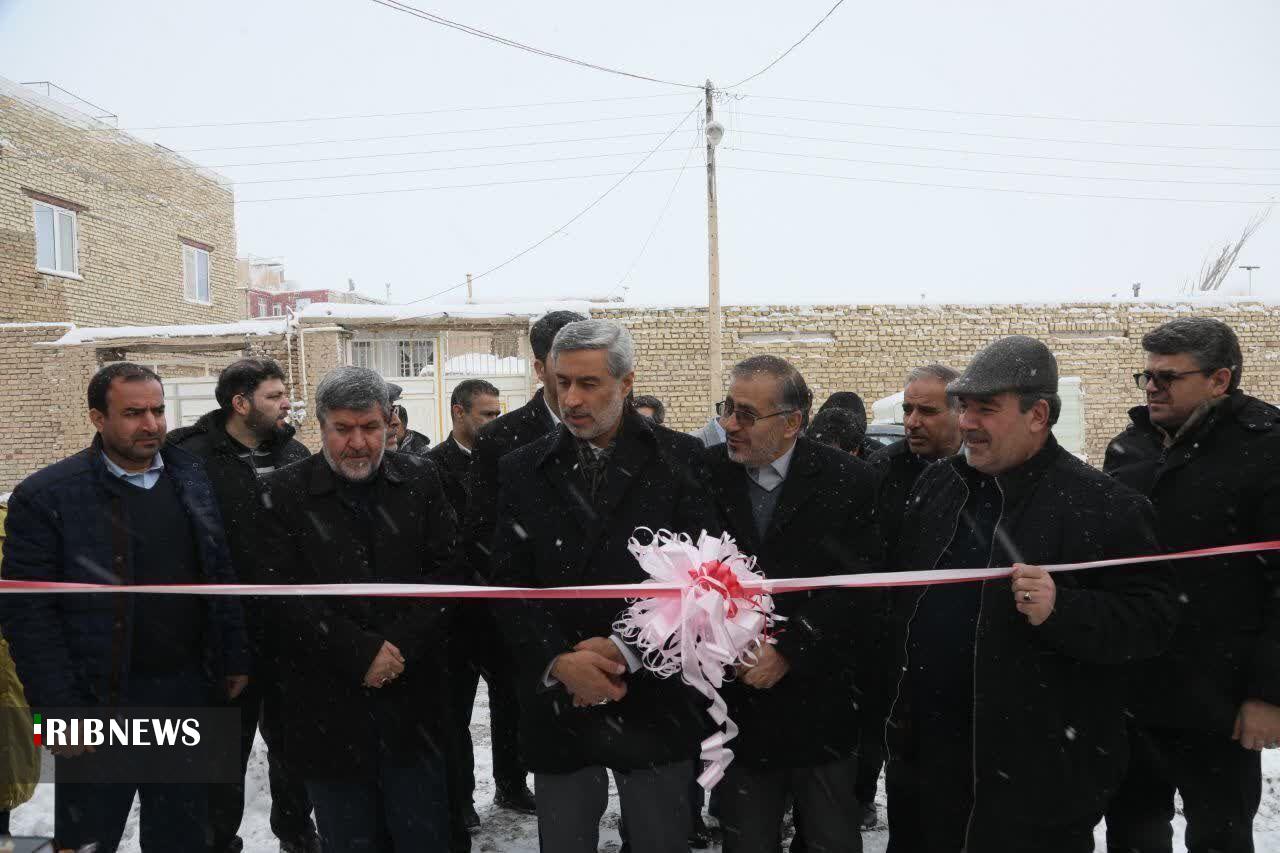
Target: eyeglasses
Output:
{"points": [[1162, 379], [725, 409]]}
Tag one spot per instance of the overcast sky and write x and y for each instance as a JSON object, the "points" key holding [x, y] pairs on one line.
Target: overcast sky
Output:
{"points": [[843, 232]]}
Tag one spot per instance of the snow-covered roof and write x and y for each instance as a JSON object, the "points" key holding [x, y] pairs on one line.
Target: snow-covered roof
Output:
{"points": [[75, 336], [404, 314]]}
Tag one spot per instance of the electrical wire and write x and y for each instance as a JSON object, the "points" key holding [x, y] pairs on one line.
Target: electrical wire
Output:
{"points": [[1025, 116], [473, 31], [1001, 189], [342, 157], [412, 113], [661, 215], [453, 168], [573, 219], [786, 52], [978, 153], [1010, 137], [1002, 171], [417, 135]]}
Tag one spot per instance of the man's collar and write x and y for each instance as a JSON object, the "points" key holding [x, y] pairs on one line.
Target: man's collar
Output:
{"points": [[783, 463], [1198, 417], [157, 464], [459, 445], [555, 419]]}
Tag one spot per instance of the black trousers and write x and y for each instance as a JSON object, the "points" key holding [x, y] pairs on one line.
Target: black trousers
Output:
{"points": [[476, 651], [931, 810], [290, 806], [1221, 786], [753, 801]]}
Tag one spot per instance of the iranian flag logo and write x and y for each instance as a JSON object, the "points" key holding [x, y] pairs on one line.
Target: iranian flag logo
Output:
{"points": [[37, 734]]}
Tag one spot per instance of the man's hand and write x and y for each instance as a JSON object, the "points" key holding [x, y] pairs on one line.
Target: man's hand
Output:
{"points": [[1257, 725], [768, 670], [386, 666], [590, 677], [236, 685], [1034, 593], [604, 647], [70, 751]]}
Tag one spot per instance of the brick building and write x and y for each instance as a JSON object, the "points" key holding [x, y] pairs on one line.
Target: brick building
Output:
{"points": [[270, 294], [97, 228]]}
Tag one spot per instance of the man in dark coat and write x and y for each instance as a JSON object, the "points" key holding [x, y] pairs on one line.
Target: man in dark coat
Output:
{"points": [[510, 432], [1208, 456], [402, 438], [475, 644], [364, 687], [804, 510], [931, 422], [248, 437], [1007, 732], [571, 502], [127, 510]]}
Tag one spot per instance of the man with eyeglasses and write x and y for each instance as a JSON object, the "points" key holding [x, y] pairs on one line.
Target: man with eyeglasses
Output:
{"points": [[804, 510], [1208, 456]]}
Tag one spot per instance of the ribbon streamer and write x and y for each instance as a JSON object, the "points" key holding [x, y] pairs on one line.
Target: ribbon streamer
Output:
{"points": [[714, 625]]}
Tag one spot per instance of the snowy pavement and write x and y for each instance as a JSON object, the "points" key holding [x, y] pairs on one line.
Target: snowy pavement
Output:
{"points": [[507, 832]]}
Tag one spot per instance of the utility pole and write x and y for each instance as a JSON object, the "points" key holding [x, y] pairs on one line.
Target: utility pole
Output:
{"points": [[715, 389], [470, 298], [1250, 268]]}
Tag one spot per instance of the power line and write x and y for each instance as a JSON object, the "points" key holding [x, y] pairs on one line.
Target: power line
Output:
{"points": [[396, 191], [661, 214], [1011, 154], [415, 135], [1003, 171], [473, 31], [412, 113], [540, 162], [575, 218], [786, 52], [1006, 136], [342, 157], [1001, 189], [1030, 116]]}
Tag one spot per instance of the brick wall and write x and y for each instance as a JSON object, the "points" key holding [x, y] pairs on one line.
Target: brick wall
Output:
{"points": [[870, 348], [135, 203]]}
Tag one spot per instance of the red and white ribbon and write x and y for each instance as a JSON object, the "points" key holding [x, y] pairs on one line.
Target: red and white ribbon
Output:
{"points": [[714, 625], [703, 611], [627, 590]]}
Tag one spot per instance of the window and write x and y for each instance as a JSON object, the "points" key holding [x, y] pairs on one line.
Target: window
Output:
{"points": [[55, 239], [362, 353], [275, 311], [195, 273], [395, 358], [415, 357], [301, 303]]}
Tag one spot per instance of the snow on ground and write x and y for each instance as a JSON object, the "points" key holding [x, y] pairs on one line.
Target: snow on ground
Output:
{"points": [[507, 832]]}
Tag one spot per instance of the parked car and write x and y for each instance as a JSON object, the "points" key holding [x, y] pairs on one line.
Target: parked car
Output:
{"points": [[885, 434]]}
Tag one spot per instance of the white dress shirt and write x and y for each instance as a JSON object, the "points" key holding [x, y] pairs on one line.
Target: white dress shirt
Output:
{"points": [[769, 477]]}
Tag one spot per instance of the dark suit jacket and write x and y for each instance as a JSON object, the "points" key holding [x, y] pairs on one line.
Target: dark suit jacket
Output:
{"points": [[311, 531], [498, 438], [550, 533], [453, 464], [824, 524]]}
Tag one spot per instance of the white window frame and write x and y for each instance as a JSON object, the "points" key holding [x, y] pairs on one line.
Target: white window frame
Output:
{"points": [[58, 238], [276, 310], [190, 293]]}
